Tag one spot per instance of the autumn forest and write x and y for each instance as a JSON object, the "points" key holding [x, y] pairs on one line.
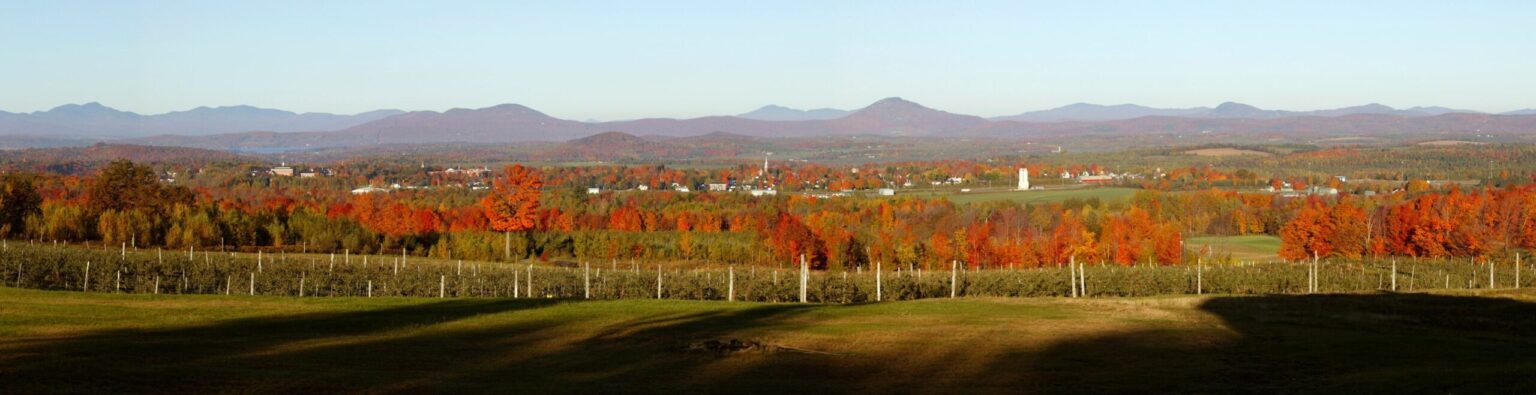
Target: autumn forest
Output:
{"points": [[829, 214]]}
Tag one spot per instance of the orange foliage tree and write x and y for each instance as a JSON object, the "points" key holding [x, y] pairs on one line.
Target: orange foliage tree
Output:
{"points": [[513, 204]]}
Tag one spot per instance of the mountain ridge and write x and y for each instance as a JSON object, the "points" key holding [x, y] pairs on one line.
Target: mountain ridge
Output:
{"points": [[774, 112], [94, 119], [892, 116]]}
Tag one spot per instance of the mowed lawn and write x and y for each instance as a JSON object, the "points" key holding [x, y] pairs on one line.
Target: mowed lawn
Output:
{"points": [[70, 342], [1247, 248]]}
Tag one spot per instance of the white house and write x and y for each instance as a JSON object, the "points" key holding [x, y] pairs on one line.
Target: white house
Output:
{"points": [[594, 190], [1023, 179], [887, 192]]}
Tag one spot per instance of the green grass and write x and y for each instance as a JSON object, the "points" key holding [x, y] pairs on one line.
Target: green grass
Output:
{"points": [[1248, 248], [1104, 194], [71, 342]]}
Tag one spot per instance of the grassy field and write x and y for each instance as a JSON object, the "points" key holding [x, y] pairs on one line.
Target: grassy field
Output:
{"points": [[1247, 248], [70, 342], [1104, 194]]}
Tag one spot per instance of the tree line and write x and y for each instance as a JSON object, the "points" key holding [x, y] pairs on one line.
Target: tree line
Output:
{"points": [[523, 217]]}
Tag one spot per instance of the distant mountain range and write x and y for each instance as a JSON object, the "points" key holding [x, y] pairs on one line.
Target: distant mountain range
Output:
{"points": [[773, 112], [96, 120], [1084, 112], [245, 128]]}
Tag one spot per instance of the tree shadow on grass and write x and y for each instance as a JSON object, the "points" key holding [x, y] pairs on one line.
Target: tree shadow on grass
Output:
{"points": [[1266, 344], [227, 356], [1378, 343], [450, 346]]}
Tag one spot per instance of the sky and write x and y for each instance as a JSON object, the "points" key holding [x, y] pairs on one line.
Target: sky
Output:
{"points": [[608, 60]]}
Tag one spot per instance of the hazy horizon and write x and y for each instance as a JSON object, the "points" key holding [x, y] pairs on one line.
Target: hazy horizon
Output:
{"points": [[609, 61]]}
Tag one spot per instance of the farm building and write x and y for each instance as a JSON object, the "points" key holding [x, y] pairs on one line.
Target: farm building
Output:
{"points": [[368, 189], [1095, 179]]}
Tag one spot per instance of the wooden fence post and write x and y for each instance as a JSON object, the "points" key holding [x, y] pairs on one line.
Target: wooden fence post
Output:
{"points": [[954, 277], [1394, 275], [529, 288], [1072, 273], [1312, 275], [370, 288], [302, 275], [1517, 270], [658, 281], [805, 276], [253, 283], [1199, 276], [442, 285], [1490, 275], [730, 293], [117, 287], [86, 286], [586, 281], [879, 289], [1082, 278]]}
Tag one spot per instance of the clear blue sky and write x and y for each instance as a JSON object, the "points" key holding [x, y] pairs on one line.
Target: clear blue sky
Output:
{"points": [[624, 59]]}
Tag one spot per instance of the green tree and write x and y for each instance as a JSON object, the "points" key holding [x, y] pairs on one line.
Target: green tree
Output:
{"points": [[18, 200], [124, 186]]}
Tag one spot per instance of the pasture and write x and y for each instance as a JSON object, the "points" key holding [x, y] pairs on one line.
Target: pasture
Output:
{"points": [[1455, 342], [1247, 248]]}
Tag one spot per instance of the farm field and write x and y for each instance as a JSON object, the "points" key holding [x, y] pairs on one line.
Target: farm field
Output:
{"points": [[1245, 248], [1104, 194], [1462, 342], [1228, 151]]}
